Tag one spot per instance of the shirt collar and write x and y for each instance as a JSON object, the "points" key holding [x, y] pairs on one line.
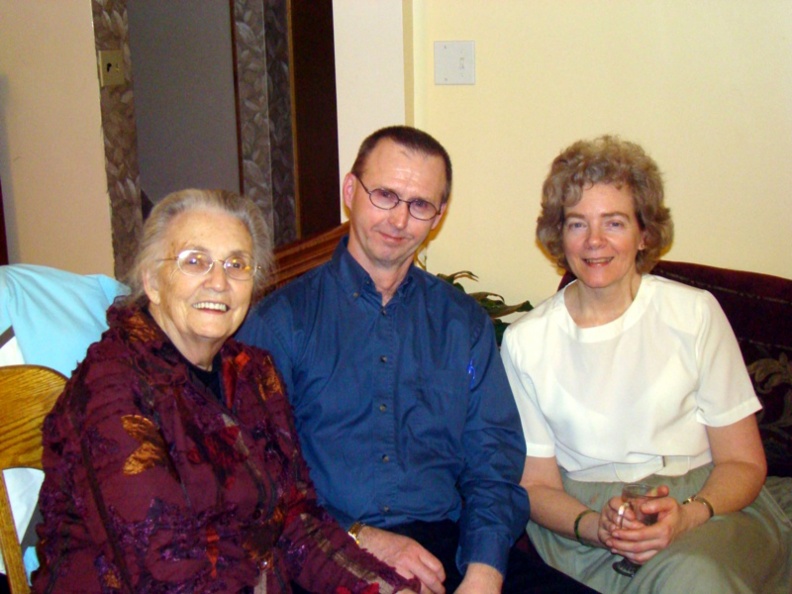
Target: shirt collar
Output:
{"points": [[356, 281]]}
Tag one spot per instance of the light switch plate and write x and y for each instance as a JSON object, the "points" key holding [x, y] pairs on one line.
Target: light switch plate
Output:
{"points": [[455, 62], [111, 68]]}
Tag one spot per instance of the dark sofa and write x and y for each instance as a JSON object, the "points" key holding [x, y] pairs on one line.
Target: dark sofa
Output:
{"points": [[758, 306]]}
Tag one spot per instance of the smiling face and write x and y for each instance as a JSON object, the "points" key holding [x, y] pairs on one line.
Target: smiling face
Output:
{"points": [[601, 238], [385, 241], [198, 313]]}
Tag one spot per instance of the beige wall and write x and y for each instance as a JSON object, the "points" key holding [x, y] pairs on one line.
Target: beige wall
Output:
{"points": [[51, 154], [705, 86], [370, 73]]}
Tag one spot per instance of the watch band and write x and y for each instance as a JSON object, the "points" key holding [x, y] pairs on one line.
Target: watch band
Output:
{"points": [[354, 531]]}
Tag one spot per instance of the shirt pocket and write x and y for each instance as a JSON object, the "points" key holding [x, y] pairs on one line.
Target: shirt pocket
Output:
{"points": [[435, 413]]}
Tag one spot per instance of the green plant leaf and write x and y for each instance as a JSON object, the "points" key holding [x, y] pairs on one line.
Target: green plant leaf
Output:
{"points": [[451, 278], [494, 304]]}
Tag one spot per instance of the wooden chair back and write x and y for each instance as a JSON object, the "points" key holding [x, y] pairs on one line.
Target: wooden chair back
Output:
{"points": [[298, 258], [27, 394]]}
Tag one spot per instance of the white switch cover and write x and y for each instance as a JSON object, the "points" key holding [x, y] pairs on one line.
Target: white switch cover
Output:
{"points": [[455, 62]]}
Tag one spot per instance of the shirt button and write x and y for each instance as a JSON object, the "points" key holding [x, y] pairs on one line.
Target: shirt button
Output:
{"points": [[386, 508], [356, 295], [383, 407], [383, 312], [384, 359], [385, 458]]}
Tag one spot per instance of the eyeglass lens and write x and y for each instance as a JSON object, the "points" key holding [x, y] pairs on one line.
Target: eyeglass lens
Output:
{"points": [[420, 209], [387, 200], [196, 263]]}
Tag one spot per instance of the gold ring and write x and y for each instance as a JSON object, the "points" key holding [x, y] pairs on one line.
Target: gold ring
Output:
{"points": [[622, 507]]}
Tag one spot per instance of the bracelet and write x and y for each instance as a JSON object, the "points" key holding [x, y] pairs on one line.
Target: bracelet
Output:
{"points": [[700, 499], [354, 531], [577, 523]]}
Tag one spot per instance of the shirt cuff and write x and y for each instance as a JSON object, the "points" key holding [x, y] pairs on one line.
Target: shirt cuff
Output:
{"points": [[484, 547]]}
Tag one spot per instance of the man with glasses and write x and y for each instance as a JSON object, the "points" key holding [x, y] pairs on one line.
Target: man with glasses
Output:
{"points": [[402, 405]]}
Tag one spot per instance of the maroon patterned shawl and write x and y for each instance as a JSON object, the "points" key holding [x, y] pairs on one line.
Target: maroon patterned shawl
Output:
{"points": [[153, 485]]}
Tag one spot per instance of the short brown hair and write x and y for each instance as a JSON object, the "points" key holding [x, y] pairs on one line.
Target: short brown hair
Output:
{"points": [[408, 137], [605, 160]]}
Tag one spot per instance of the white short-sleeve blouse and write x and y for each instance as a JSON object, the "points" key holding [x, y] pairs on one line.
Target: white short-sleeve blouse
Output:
{"points": [[632, 396]]}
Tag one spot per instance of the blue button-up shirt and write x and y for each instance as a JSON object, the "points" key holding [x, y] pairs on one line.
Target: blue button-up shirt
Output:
{"points": [[404, 411]]}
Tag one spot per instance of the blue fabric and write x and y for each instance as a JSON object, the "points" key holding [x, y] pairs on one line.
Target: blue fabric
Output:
{"points": [[55, 314], [31, 562], [403, 412]]}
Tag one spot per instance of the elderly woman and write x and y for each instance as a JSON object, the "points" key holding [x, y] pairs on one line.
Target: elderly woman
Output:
{"points": [[171, 458], [623, 377]]}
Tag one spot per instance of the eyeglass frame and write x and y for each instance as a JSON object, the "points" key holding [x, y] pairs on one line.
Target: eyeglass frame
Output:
{"points": [[254, 267], [409, 203]]}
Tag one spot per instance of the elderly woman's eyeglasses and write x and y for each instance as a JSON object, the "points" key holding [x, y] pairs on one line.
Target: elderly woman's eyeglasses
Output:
{"points": [[419, 208], [199, 263]]}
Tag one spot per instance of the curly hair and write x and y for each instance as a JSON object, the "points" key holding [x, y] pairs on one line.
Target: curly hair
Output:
{"points": [[164, 212], [605, 160]]}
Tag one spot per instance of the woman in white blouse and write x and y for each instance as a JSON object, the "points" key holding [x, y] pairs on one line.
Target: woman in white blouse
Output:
{"points": [[623, 377]]}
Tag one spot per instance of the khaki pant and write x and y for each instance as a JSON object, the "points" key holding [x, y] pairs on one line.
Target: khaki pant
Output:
{"points": [[748, 552]]}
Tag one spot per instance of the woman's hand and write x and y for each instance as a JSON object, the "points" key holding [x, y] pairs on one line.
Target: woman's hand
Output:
{"points": [[407, 556], [638, 542], [625, 535]]}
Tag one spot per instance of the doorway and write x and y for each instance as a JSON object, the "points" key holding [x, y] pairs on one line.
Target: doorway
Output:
{"points": [[285, 127]]}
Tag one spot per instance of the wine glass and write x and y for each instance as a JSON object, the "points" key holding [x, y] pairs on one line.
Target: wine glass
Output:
{"points": [[635, 495]]}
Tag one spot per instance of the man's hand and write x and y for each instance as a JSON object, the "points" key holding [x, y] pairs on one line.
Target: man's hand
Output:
{"points": [[481, 579], [408, 557]]}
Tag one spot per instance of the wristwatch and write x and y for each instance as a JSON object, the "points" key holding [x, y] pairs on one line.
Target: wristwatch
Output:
{"points": [[354, 531]]}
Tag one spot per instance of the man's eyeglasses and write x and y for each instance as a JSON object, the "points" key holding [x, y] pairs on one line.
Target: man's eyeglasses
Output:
{"points": [[199, 263], [419, 208]]}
